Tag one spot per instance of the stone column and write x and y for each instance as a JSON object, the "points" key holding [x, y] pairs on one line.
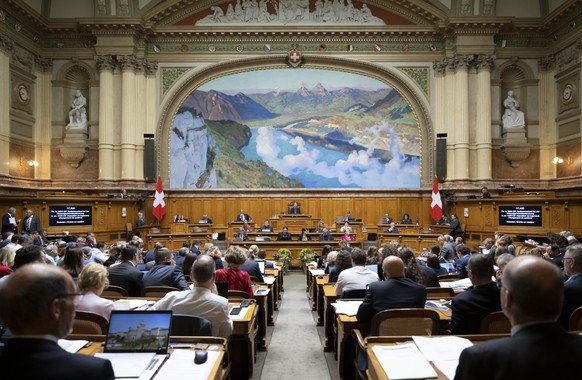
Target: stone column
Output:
{"points": [[106, 64], [140, 116], [449, 118], [128, 119], [484, 64], [461, 112], [439, 69], [6, 48], [547, 110], [43, 117]]}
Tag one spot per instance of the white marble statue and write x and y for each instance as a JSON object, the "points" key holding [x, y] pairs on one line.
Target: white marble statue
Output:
{"points": [[512, 117], [285, 12], [78, 112]]}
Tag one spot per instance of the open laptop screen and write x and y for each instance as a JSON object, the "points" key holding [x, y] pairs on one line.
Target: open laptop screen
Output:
{"points": [[222, 288], [139, 331]]}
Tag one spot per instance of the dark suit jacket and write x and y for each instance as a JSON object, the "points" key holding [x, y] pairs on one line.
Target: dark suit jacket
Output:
{"points": [[44, 359], [393, 293], [456, 227], [461, 265], [283, 236], [294, 210], [327, 237], [572, 299], [535, 352], [34, 224], [165, 275], [266, 228], [128, 277], [470, 307], [240, 219], [252, 268], [6, 225]]}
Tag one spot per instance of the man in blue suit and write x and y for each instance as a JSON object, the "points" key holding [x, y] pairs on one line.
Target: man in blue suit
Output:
{"points": [[531, 297], [573, 286], [462, 261], [325, 235], [37, 304], [242, 217], [165, 272]]}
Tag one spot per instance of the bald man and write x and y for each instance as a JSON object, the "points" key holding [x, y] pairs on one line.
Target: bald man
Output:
{"points": [[395, 292], [37, 304], [531, 297]]}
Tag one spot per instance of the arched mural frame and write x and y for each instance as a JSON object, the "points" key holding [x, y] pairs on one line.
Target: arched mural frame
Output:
{"points": [[392, 77]]}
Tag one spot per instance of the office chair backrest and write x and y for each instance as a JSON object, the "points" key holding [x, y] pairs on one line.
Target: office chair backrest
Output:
{"points": [[190, 325]]}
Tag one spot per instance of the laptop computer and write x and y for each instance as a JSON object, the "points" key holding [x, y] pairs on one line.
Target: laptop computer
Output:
{"points": [[137, 341], [222, 288]]}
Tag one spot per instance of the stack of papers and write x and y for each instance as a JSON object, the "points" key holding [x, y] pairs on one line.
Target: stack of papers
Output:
{"points": [[403, 361], [317, 272], [444, 352], [72, 346], [349, 308], [457, 285]]}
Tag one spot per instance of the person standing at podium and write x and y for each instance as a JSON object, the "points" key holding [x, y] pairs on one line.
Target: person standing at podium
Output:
{"points": [[242, 217], [294, 208]]}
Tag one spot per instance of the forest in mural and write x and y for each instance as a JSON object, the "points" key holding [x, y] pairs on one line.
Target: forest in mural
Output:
{"points": [[294, 128]]}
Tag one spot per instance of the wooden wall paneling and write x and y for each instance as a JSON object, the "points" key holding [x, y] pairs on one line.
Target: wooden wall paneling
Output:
{"points": [[411, 207], [574, 216], [557, 220]]}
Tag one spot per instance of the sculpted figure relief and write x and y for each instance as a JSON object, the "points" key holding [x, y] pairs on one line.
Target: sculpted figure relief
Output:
{"points": [[78, 112], [512, 117]]}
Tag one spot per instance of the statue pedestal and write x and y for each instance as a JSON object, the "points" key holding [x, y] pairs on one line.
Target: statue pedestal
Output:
{"points": [[515, 145], [74, 147]]}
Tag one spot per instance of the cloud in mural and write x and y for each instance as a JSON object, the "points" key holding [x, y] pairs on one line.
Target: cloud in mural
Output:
{"points": [[360, 168]]}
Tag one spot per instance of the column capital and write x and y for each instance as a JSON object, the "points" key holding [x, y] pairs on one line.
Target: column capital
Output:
{"points": [[105, 62], [43, 64], [127, 62], [440, 67], [140, 65], [462, 62], [484, 62], [151, 68], [6, 44], [547, 63]]}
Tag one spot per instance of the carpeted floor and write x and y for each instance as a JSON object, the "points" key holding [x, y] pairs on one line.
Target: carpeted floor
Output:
{"points": [[295, 350]]}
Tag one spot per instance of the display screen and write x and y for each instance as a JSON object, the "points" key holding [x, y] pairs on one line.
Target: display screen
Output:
{"points": [[70, 216], [526, 216]]}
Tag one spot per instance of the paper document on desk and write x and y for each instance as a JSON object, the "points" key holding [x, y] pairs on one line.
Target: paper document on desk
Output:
{"points": [[269, 280], [317, 272], [181, 365], [127, 304], [457, 285], [403, 361], [444, 352], [72, 346], [240, 315], [349, 308]]}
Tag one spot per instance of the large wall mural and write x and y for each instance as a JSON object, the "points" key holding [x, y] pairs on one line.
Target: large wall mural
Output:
{"points": [[295, 128]]}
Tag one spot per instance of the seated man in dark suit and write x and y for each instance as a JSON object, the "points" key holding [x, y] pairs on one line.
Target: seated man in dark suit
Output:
{"points": [[462, 261], [165, 272], [294, 209], [386, 219], [266, 227], [531, 297], [455, 225], [262, 255], [242, 217], [394, 293], [125, 274], [37, 304], [206, 219], [325, 235], [284, 235], [470, 307], [392, 229], [252, 267], [572, 287]]}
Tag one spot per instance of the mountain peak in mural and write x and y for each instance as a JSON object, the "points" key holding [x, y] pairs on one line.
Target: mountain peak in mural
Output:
{"points": [[216, 105]]}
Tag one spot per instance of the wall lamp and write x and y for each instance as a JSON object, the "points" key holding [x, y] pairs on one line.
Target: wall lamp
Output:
{"points": [[28, 163]]}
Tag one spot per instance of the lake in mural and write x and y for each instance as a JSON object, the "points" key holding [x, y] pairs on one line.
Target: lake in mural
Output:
{"points": [[294, 128]]}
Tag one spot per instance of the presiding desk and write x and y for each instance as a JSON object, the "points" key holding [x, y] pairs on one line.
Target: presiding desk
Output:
{"points": [[219, 370]]}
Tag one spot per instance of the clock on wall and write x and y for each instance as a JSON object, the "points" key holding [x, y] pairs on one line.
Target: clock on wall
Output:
{"points": [[567, 93], [23, 94]]}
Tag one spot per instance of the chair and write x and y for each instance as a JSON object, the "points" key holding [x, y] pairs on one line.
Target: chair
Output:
{"points": [[449, 277], [254, 279], [190, 325], [440, 292], [89, 323], [576, 320], [237, 295], [495, 323], [157, 291], [354, 293], [113, 291]]}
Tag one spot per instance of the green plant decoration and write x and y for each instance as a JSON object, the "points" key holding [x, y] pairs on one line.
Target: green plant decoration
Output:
{"points": [[306, 256], [283, 255]]}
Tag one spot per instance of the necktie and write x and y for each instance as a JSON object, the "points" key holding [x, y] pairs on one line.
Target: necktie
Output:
{"points": [[28, 223]]}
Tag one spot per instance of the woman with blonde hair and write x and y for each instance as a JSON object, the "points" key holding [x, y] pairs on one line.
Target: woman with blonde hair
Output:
{"points": [[6, 260], [92, 281]]}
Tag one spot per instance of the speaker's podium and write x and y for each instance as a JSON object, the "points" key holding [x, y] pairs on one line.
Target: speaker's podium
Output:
{"points": [[294, 208], [179, 228]]}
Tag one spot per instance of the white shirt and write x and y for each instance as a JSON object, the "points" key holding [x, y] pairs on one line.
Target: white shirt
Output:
{"points": [[354, 278], [200, 302], [97, 256]]}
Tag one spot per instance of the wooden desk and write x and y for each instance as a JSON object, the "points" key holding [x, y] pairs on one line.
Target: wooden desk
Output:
{"points": [[375, 370], [219, 371], [262, 315], [277, 286], [174, 241], [329, 297], [242, 345], [345, 326], [416, 241]]}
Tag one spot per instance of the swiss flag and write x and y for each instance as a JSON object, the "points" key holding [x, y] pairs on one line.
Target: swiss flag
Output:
{"points": [[436, 206], [159, 209]]}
